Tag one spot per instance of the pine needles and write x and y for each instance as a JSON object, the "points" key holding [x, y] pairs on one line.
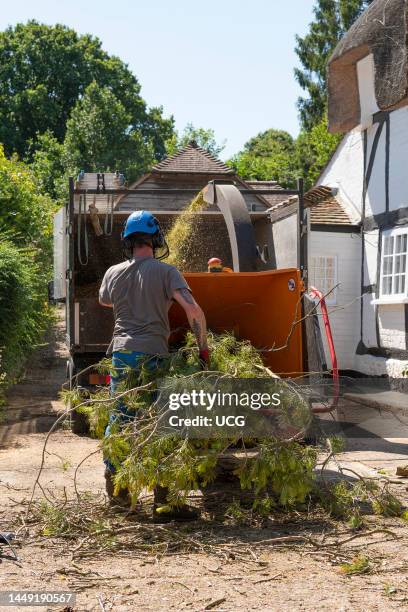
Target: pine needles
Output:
{"points": [[144, 457]]}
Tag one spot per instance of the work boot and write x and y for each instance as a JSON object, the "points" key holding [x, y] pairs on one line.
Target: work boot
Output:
{"points": [[123, 498], [180, 513]]}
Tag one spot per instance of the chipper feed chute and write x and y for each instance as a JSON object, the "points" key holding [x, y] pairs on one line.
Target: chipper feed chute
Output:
{"points": [[263, 307]]}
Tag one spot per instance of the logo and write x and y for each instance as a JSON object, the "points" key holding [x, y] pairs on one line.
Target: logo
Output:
{"points": [[291, 284]]}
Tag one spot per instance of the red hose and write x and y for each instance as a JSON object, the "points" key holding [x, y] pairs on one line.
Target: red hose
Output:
{"points": [[315, 293]]}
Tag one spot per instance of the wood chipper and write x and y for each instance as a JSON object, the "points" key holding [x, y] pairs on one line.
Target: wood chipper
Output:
{"points": [[262, 305]]}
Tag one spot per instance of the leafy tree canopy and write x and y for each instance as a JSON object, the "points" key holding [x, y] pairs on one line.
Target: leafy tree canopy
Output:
{"points": [[314, 149], [274, 155], [267, 156], [48, 167], [45, 70], [332, 18], [100, 137], [23, 210], [204, 138], [269, 142]]}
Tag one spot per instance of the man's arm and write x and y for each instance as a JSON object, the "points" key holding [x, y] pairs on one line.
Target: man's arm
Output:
{"points": [[195, 317], [103, 304], [104, 293]]}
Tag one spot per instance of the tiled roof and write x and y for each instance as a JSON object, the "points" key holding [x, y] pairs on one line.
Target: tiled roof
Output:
{"points": [[329, 211], [325, 208], [273, 199], [192, 160]]}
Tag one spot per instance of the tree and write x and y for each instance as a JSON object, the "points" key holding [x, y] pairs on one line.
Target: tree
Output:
{"points": [[269, 142], [275, 155], [313, 150], [45, 70], [204, 139], [267, 156], [332, 18], [25, 213], [47, 165], [25, 256], [100, 136]]}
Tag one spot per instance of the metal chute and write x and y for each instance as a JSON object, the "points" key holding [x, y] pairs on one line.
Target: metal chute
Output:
{"points": [[239, 225]]}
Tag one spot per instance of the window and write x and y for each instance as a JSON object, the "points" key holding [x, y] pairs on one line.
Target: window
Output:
{"points": [[394, 279], [324, 276]]}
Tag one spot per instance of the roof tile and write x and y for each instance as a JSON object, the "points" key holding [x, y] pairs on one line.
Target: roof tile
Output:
{"points": [[272, 199], [325, 208], [192, 159]]}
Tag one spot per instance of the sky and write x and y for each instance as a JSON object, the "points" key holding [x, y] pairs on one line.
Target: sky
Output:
{"points": [[226, 65]]}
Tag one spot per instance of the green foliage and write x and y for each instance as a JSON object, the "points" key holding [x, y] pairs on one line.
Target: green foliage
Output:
{"points": [[25, 249], [286, 468], [332, 18], [358, 565], [267, 156], [279, 167], [281, 472], [269, 143], [404, 516], [387, 505], [47, 165], [24, 213], [202, 137], [314, 149], [55, 522], [344, 500], [45, 70], [24, 312], [100, 137], [337, 444], [98, 414], [274, 155]]}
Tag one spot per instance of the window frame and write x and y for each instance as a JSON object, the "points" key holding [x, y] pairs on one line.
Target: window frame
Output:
{"points": [[393, 233], [331, 299]]}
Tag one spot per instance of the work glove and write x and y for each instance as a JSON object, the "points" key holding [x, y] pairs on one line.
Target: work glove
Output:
{"points": [[204, 358]]}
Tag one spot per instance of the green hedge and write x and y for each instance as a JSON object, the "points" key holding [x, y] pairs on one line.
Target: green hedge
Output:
{"points": [[25, 264], [24, 312]]}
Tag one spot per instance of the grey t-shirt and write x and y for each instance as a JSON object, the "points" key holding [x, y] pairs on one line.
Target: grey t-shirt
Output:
{"points": [[140, 291]]}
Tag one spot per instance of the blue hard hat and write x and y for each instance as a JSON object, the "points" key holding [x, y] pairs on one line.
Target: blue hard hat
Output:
{"points": [[141, 221]]}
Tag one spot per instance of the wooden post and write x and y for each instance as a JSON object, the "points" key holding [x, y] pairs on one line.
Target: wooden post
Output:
{"points": [[70, 266], [302, 233], [303, 263]]}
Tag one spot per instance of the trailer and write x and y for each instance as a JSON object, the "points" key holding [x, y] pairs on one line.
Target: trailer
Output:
{"points": [[257, 302]]}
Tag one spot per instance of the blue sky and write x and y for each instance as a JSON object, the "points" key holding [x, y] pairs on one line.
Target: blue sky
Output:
{"points": [[222, 64]]}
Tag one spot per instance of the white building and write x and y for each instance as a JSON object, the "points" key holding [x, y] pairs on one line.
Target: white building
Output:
{"points": [[334, 256], [368, 101]]}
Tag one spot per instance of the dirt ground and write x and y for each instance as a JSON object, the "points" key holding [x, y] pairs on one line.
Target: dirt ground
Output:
{"points": [[276, 576]]}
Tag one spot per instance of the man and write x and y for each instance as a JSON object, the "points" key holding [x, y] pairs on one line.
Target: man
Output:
{"points": [[141, 291], [215, 265]]}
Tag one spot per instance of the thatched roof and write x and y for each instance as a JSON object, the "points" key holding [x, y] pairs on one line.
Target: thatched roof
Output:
{"points": [[382, 31]]}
